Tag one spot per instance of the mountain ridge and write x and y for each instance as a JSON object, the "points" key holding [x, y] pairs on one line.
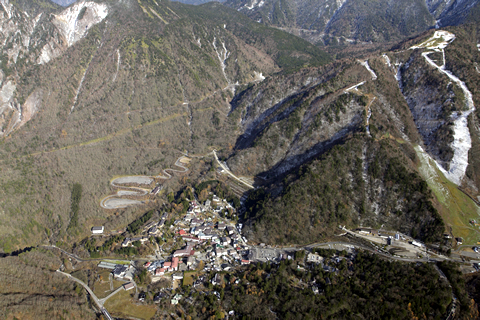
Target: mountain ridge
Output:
{"points": [[334, 23]]}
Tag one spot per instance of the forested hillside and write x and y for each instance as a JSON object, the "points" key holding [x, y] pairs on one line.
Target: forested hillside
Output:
{"points": [[142, 82], [135, 84]]}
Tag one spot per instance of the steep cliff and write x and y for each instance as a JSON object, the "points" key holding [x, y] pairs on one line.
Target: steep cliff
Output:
{"points": [[36, 39]]}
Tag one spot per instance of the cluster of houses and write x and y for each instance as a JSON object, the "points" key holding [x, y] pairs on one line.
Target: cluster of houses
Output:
{"points": [[216, 205], [151, 229], [200, 234], [221, 204], [159, 268], [204, 240], [178, 263]]}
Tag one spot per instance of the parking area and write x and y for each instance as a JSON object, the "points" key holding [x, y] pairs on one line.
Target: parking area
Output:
{"points": [[264, 254]]}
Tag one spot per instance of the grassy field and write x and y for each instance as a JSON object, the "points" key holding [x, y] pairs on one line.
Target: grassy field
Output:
{"points": [[457, 208], [102, 287], [123, 306], [188, 278]]}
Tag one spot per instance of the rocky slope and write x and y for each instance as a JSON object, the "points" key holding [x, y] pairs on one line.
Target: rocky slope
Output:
{"points": [[35, 40], [450, 13], [64, 3]]}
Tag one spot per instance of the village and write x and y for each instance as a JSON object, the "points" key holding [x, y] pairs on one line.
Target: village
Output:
{"points": [[203, 252], [199, 251], [206, 242], [208, 246]]}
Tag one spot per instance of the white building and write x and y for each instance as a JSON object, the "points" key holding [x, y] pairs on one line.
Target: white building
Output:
{"points": [[314, 258], [97, 230]]}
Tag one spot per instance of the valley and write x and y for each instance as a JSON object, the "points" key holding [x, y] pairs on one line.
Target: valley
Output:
{"points": [[247, 159]]}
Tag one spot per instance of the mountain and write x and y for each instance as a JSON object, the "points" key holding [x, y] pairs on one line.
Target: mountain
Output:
{"points": [[104, 88], [366, 142], [113, 113], [345, 22], [450, 13]]}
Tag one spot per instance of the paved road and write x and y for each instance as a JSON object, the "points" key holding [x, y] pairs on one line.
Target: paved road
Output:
{"points": [[229, 173], [308, 247], [65, 252], [97, 301], [136, 191], [347, 244]]}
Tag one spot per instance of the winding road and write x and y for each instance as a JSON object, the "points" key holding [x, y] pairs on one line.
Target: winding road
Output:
{"points": [[118, 200], [90, 292], [98, 302], [123, 184]]}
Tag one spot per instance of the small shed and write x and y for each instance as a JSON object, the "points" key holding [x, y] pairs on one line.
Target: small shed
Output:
{"points": [[128, 286]]}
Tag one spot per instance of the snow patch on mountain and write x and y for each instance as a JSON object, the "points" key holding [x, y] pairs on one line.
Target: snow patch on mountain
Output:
{"points": [[367, 66], [78, 90], [254, 4], [369, 115], [439, 41], [222, 55], [387, 60], [258, 76], [355, 87], [462, 139], [119, 60]]}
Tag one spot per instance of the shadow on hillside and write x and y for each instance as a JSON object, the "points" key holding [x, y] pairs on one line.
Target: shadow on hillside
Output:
{"points": [[290, 164]]}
